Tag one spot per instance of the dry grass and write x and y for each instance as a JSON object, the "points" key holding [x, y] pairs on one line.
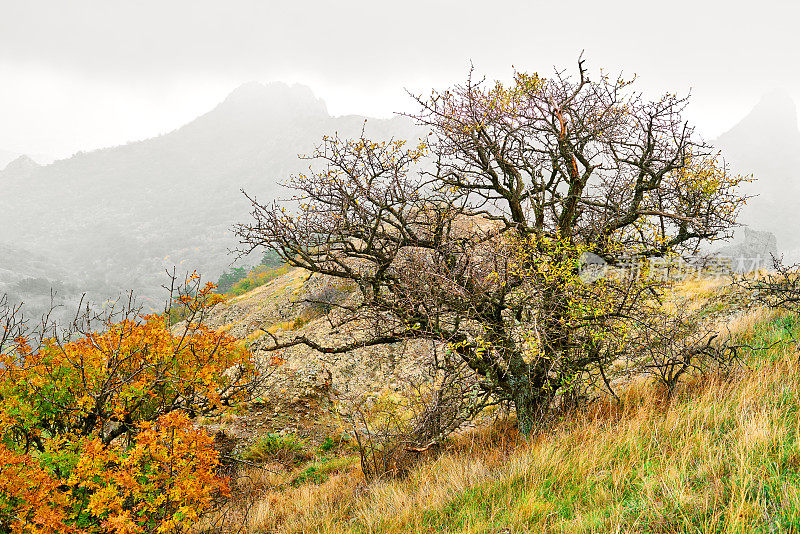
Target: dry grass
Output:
{"points": [[693, 293], [722, 455], [724, 458], [746, 323]]}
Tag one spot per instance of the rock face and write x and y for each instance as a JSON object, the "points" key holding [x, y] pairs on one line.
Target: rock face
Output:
{"points": [[750, 250], [290, 305]]}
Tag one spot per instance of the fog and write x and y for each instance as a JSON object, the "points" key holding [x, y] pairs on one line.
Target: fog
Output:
{"points": [[86, 74], [154, 85]]}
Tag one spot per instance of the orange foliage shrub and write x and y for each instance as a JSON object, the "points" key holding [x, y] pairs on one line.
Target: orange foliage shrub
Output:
{"points": [[30, 499], [96, 430]]}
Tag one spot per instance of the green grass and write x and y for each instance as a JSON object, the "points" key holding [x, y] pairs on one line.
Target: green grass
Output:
{"points": [[318, 471], [258, 276], [725, 459]]}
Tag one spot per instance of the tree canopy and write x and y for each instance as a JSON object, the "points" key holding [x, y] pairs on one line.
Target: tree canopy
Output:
{"points": [[474, 237]]}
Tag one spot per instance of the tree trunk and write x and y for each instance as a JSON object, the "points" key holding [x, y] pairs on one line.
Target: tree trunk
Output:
{"points": [[530, 406]]}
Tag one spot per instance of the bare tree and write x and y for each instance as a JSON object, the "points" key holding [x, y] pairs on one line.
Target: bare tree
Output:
{"points": [[13, 324], [474, 238]]}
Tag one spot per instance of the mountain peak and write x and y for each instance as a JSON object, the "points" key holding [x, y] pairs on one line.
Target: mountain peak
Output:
{"points": [[775, 115], [275, 98], [779, 107], [21, 165]]}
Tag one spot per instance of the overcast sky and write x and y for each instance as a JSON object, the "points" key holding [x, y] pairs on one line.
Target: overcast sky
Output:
{"points": [[82, 74]]}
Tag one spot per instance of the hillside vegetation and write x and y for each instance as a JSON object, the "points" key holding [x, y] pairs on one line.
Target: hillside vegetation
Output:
{"points": [[721, 455], [503, 327]]}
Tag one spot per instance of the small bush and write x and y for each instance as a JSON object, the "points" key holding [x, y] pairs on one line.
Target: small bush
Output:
{"points": [[310, 474], [327, 445], [97, 431], [287, 449]]}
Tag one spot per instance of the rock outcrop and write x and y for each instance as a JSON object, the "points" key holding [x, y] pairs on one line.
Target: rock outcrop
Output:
{"points": [[750, 250]]}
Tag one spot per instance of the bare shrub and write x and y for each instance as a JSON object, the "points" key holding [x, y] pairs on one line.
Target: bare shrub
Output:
{"points": [[669, 347], [779, 289], [393, 430]]}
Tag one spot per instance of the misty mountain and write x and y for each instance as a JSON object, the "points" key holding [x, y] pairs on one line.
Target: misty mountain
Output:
{"points": [[40, 283], [19, 264], [7, 157], [766, 144], [116, 218]]}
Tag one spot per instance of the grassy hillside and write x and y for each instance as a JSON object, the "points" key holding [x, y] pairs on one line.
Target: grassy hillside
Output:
{"points": [[722, 455]]}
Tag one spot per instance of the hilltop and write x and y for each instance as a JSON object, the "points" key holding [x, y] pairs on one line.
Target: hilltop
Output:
{"points": [[8, 156]]}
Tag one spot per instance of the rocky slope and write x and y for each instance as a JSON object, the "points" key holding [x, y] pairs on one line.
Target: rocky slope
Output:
{"points": [[282, 308], [304, 386]]}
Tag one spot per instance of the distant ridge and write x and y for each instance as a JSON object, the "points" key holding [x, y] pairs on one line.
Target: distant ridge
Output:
{"points": [[7, 156], [118, 217], [766, 144]]}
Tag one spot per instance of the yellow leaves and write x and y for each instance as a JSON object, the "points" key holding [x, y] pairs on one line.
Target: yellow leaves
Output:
{"points": [[22, 347], [37, 381], [706, 176], [85, 403], [560, 299], [168, 473], [530, 83], [105, 500], [122, 523]]}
